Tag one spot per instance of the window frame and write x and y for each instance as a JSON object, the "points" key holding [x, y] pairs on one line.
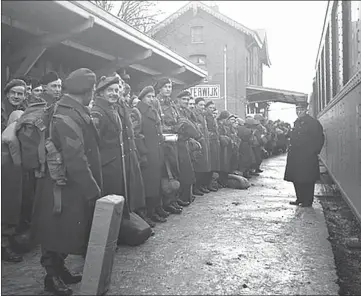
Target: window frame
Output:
{"points": [[193, 34]]}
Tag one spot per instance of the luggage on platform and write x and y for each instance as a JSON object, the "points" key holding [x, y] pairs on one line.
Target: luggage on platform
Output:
{"points": [[134, 232], [238, 182]]}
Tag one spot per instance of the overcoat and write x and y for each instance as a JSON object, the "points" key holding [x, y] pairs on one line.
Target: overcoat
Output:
{"points": [[11, 178], [68, 232], [134, 178], [107, 121], [225, 146], [246, 155], [307, 139], [214, 144], [152, 150], [202, 163]]}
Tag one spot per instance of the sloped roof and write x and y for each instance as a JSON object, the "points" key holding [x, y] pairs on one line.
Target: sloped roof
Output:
{"points": [[261, 33], [194, 5]]}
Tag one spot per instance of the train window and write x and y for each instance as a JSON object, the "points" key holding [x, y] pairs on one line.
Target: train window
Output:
{"points": [[353, 36]]}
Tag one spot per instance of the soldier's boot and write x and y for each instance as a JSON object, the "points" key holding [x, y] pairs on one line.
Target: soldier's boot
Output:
{"points": [[295, 203], [211, 188], [176, 205], [193, 197], [203, 189], [10, 256], [259, 170], [247, 175], [157, 218], [171, 209], [183, 203], [69, 278], [196, 191], [162, 213], [254, 173], [149, 221], [56, 285]]}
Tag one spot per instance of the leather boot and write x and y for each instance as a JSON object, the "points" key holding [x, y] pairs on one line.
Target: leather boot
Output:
{"points": [[160, 211], [173, 210], [156, 218], [56, 285], [211, 188], [204, 190], [254, 174], [8, 255], [193, 197], [183, 203], [149, 221], [295, 203], [69, 278], [176, 205], [258, 171], [196, 191]]}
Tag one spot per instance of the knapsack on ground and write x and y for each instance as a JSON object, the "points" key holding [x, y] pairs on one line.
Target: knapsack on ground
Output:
{"points": [[134, 232], [237, 182]]}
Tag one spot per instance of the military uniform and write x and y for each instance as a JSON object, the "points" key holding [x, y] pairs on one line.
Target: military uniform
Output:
{"points": [[302, 167]]}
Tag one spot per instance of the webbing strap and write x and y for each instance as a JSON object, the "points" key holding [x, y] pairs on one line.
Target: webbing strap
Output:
{"points": [[72, 124], [57, 199]]}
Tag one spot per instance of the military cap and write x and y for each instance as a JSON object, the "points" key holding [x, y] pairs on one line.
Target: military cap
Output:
{"points": [[80, 81], [12, 83], [184, 93], [224, 115], [208, 103], [49, 77], [231, 116], [199, 99], [160, 83], [104, 82], [146, 90], [303, 104], [35, 83], [26, 79], [251, 121]]}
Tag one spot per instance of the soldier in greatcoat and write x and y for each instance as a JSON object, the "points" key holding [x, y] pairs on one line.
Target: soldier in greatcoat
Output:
{"points": [[135, 184], [107, 121], [63, 211], [151, 152], [202, 165], [189, 135], [11, 174], [169, 114], [302, 167], [214, 144], [225, 147], [246, 156]]}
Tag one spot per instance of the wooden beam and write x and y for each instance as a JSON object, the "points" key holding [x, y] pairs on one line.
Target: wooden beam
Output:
{"points": [[29, 61], [112, 66], [51, 39], [175, 72], [89, 50], [144, 69]]}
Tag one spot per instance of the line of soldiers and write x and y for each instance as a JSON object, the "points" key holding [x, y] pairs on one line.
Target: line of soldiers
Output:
{"points": [[100, 139]]}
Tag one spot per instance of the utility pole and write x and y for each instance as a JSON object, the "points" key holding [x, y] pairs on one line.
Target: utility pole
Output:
{"points": [[225, 76]]}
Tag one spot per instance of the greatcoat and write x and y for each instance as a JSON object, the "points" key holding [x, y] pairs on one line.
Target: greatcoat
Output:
{"points": [[307, 139], [214, 144]]}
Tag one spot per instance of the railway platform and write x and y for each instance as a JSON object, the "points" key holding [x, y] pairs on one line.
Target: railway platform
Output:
{"points": [[239, 242]]}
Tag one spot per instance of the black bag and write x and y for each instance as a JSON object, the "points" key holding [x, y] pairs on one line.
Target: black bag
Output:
{"points": [[134, 232]]}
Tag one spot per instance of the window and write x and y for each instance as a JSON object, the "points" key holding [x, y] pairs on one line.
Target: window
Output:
{"points": [[197, 34], [199, 59]]}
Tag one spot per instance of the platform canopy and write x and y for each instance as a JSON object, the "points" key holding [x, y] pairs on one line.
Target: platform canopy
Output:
{"points": [[87, 36], [259, 94]]}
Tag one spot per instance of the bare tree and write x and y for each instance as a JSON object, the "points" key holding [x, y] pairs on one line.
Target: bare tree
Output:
{"points": [[141, 15]]}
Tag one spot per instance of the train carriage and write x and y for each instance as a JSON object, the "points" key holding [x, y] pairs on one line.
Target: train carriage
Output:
{"points": [[336, 97]]}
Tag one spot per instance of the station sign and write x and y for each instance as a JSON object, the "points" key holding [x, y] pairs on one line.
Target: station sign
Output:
{"points": [[206, 91]]}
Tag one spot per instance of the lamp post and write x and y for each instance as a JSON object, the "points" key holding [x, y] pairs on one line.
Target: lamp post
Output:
{"points": [[225, 76]]}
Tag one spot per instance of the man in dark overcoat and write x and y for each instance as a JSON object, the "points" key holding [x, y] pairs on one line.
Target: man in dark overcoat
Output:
{"points": [[151, 151], [107, 121], [134, 178], [63, 212], [302, 167], [202, 165], [214, 144], [225, 147], [246, 156], [11, 174]]}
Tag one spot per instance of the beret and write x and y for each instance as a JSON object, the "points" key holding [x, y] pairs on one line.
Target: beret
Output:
{"points": [[35, 83], [146, 90], [199, 99], [12, 83], [104, 82], [26, 79], [80, 81], [232, 116], [49, 77], [209, 103], [224, 115], [161, 82], [184, 93]]}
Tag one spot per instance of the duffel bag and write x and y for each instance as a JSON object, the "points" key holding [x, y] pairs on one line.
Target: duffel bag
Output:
{"points": [[134, 232], [238, 182]]}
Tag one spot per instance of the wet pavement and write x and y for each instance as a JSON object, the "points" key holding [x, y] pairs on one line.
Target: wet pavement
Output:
{"points": [[229, 242]]}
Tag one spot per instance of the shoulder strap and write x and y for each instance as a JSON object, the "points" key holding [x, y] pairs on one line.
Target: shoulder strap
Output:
{"points": [[72, 124]]}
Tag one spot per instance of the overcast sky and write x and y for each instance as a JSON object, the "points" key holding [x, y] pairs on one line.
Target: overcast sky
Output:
{"points": [[293, 31]]}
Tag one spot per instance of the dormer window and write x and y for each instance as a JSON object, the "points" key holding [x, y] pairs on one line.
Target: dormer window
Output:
{"points": [[197, 34]]}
